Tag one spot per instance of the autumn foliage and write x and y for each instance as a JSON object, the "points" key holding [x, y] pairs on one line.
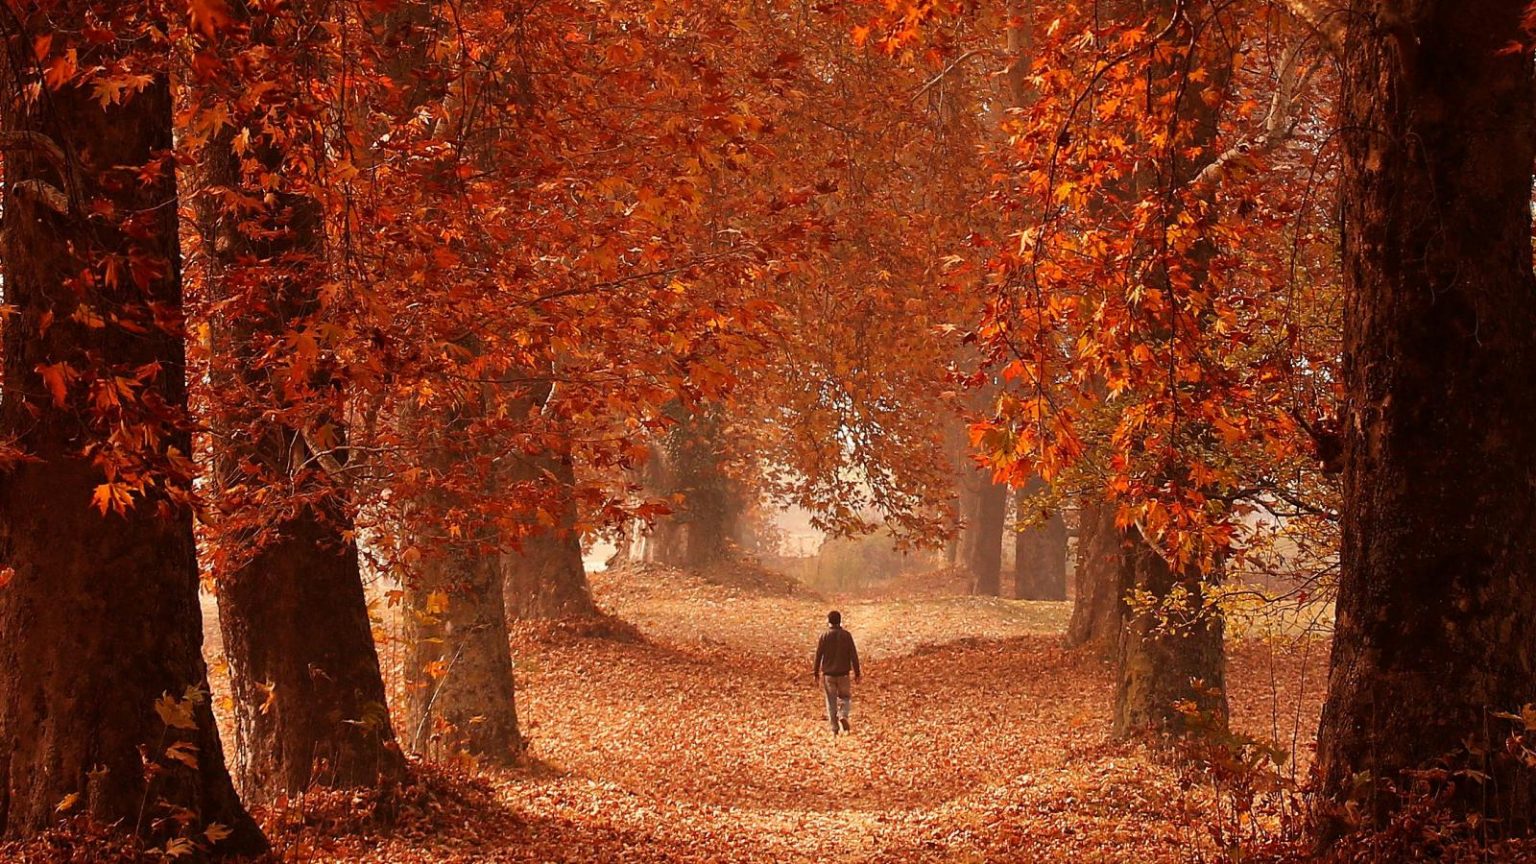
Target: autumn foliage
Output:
{"points": [[374, 319]]}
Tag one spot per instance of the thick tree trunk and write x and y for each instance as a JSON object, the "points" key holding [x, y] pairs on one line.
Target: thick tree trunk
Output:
{"points": [[100, 619], [1039, 549], [1096, 607], [1171, 656], [1436, 609], [701, 532], [460, 693], [309, 699], [546, 577], [986, 559]]}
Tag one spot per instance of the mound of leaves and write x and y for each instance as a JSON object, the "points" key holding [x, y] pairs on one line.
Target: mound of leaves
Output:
{"points": [[439, 800], [603, 626], [730, 579], [80, 840], [944, 582]]}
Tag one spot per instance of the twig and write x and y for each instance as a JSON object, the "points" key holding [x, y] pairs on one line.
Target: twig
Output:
{"points": [[950, 68]]}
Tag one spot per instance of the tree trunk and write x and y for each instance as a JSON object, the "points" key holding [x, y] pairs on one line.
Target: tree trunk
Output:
{"points": [[987, 538], [967, 501], [309, 699], [546, 577], [1172, 661], [1436, 607], [100, 623], [461, 695], [1096, 606], [1039, 550], [701, 531], [1171, 655], [460, 691]]}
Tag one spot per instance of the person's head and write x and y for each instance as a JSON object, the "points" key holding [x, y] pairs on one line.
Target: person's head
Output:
{"points": [[835, 618]]}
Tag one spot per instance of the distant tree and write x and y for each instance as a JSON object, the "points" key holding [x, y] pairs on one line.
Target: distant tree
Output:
{"points": [[1097, 613], [1039, 547], [689, 467], [986, 537], [544, 575]]}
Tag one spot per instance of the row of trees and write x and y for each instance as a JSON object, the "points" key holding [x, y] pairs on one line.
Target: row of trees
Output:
{"points": [[301, 293], [1184, 323]]}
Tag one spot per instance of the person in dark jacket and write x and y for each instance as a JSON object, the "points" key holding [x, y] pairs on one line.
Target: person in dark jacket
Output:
{"points": [[836, 656]]}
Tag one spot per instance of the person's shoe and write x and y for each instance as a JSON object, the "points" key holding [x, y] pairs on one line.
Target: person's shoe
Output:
{"points": [[844, 721]]}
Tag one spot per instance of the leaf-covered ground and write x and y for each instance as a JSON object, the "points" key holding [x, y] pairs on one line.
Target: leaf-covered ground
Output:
{"points": [[976, 738]]}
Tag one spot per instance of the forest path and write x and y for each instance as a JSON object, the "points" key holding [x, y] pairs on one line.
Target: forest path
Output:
{"points": [[977, 737]]}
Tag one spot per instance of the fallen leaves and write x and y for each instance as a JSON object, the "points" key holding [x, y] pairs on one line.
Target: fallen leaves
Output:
{"points": [[977, 737]]}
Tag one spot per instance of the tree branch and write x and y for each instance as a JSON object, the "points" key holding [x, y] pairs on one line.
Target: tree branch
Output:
{"points": [[326, 458], [974, 52], [1279, 125], [54, 198], [1323, 18], [44, 193]]}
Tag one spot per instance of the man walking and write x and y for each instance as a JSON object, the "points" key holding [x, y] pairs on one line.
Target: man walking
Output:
{"points": [[835, 657]]}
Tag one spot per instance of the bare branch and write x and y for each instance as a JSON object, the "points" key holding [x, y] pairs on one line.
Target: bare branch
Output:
{"points": [[1279, 125], [44, 193], [37, 142], [974, 52], [1324, 18], [326, 458], [53, 197]]}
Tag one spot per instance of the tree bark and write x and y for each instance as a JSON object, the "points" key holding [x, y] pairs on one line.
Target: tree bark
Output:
{"points": [[987, 538], [100, 618], [1172, 660], [460, 692], [1096, 607], [309, 700], [1436, 609], [1039, 549], [702, 530]]}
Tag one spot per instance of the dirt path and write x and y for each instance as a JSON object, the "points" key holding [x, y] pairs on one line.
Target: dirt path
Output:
{"points": [[707, 743]]}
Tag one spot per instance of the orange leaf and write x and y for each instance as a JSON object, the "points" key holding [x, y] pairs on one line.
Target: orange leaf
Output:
{"points": [[208, 15], [57, 377]]}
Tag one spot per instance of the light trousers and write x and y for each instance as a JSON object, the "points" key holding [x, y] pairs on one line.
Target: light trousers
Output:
{"points": [[839, 692]]}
